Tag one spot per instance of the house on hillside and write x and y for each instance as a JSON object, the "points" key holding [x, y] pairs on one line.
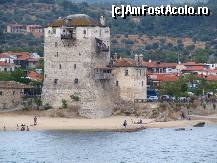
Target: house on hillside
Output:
{"points": [[16, 28], [191, 67], [36, 30], [160, 67], [155, 79], [7, 67]]}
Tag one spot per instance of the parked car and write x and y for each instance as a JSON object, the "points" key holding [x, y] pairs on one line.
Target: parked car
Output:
{"points": [[184, 99], [152, 98], [165, 97]]}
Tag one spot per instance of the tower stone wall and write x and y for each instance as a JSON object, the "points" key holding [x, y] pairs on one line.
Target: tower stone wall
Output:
{"points": [[70, 69]]}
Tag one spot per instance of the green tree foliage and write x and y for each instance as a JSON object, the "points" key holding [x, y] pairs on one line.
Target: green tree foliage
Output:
{"points": [[18, 75], [181, 86]]}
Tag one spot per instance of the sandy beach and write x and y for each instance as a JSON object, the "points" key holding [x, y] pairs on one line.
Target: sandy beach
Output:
{"points": [[114, 123]]}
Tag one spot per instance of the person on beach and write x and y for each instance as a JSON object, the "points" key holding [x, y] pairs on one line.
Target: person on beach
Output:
{"points": [[22, 127], [27, 128], [17, 127], [4, 128], [35, 121], [140, 121], [125, 123]]}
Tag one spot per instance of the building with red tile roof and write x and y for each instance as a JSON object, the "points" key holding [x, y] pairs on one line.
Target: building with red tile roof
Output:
{"points": [[7, 67], [211, 78], [155, 79], [34, 76], [24, 59], [160, 67]]}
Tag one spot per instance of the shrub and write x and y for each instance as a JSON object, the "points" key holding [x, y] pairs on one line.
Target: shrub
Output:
{"points": [[75, 97], [38, 102], [214, 106], [204, 106], [47, 106], [64, 104]]}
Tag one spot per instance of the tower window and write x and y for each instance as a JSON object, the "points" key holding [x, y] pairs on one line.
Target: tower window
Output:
{"points": [[54, 31], [75, 66], [60, 66], [85, 32], [1, 93], [76, 81], [55, 81], [117, 83], [126, 73], [55, 44], [142, 83], [140, 72], [13, 92]]}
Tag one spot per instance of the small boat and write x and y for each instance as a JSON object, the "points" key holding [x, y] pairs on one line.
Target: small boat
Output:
{"points": [[200, 124], [179, 129]]}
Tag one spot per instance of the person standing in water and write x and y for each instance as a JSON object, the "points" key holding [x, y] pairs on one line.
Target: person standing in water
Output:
{"points": [[35, 121]]}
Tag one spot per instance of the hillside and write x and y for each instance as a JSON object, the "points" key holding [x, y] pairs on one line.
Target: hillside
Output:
{"points": [[199, 30]]}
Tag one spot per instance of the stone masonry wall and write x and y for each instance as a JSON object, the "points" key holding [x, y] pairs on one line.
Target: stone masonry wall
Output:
{"points": [[66, 61], [10, 98]]}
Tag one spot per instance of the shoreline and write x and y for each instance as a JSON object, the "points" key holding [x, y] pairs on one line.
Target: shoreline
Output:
{"points": [[78, 124]]}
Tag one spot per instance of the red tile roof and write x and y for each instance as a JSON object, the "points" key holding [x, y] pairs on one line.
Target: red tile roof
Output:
{"points": [[162, 77], [2, 55], [34, 75], [125, 62], [212, 78], [212, 70], [4, 64], [155, 64]]}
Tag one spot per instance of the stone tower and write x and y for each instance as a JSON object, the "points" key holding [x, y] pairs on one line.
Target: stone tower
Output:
{"points": [[76, 55]]}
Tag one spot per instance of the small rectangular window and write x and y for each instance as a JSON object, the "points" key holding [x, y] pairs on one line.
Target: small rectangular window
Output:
{"points": [[1, 93], [140, 72], [75, 66], [76, 81], [126, 73], [142, 83], [55, 81], [85, 32], [55, 44], [54, 31], [57, 54], [60, 66], [14, 92], [116, 83]]}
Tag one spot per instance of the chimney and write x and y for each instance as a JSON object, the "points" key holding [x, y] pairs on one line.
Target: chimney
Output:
{"points": [[115, 57], [140, 58], [136, 58], [102, 20]]}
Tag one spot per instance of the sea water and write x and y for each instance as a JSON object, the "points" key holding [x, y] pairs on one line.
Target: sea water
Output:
{"points": [[147, 146]]}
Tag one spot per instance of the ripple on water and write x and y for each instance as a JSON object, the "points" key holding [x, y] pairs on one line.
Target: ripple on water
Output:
{"points": [[151, 145]]}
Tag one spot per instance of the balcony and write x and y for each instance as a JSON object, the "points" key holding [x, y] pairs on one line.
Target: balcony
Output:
{"points": [[67, 37], [100, 46], [103, 73]]}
